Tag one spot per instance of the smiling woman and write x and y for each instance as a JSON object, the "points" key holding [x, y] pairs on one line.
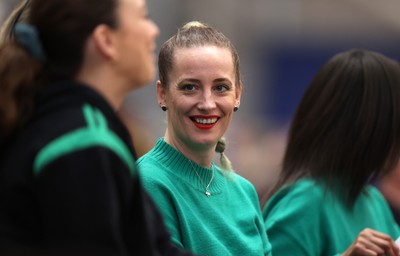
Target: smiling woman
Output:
{"points": [[200, 88], [201, 95]]}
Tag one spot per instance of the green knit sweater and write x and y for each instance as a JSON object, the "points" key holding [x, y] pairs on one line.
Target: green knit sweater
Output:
{"points": [[229, 222], [303, 220]]}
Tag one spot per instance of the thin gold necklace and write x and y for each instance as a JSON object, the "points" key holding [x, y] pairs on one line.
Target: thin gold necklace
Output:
{"points": [[208, 194]]}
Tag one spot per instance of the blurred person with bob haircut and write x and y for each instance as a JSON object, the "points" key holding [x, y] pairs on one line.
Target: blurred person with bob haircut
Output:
{"points": [[344, 135]]}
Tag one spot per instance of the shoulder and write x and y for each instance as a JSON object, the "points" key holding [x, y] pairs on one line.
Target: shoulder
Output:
{"points": [[292, 219], [296, 190], [303, 197], [377, 201], [236, 180], [155, 176], [153, 156], [146, 159], [88, 128], [236, 177], [149, 167], [241, 187], [373, 192]]}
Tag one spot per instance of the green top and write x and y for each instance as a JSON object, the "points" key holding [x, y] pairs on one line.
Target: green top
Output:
{"points": [[229, 222], [304, 219]]}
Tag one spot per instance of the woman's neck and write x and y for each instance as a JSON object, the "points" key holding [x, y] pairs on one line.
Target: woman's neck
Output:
{"points": [[200, 155]]}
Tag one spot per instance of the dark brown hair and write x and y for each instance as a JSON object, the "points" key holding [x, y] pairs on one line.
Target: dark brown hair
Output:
{"points": [[63, 27], [346, 130]]}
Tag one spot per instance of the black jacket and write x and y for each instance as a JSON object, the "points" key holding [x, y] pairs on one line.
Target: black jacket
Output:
{"points": [[69, 185]]}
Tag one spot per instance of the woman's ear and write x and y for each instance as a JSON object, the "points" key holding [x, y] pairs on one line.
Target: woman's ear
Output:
{"points": [[161, 94], [238, 94], [105, 42]]}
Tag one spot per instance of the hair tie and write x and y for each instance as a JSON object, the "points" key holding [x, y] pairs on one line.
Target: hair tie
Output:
{"points": [[28, 37]]}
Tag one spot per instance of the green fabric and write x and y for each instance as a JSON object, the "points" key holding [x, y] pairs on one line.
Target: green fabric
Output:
{"points": [[95, 134], [229, 222], [304, 219]]}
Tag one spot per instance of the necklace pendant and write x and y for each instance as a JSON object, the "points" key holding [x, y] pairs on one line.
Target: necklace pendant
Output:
{"points": [[208, 194]]}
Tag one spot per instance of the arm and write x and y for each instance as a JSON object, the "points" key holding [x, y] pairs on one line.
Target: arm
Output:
{"points": [[157, 184], [161, 196], [252, 193], [164, 245]]}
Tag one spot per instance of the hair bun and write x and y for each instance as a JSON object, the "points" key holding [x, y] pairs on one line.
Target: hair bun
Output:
{"points": [[194, 24]]}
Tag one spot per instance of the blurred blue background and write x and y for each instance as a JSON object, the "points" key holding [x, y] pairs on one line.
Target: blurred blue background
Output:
{"points": [[282, 43]]}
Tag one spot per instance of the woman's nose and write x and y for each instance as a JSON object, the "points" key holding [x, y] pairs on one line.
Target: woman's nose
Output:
{"points": [[207, 101]]}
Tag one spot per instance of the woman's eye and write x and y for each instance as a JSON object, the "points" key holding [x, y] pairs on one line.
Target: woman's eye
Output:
{"points": [[188, 87], [221, 88]]}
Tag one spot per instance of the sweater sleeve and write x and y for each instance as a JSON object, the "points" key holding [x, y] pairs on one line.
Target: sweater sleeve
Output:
{"points": [[158, 187], [163, 239], [252, 194]]}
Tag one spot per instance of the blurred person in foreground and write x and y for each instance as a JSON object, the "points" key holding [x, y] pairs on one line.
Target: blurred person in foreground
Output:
{"points": [[68, 180], [208, 209], [345, 134]]}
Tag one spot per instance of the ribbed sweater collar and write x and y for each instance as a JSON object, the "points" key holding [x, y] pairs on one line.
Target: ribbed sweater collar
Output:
{"points": [[181, 166]]}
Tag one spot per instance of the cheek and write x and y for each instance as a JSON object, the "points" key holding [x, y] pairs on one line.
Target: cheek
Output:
{"points": [[228, 117], [181, 104], [176, 109], [228, 105]]}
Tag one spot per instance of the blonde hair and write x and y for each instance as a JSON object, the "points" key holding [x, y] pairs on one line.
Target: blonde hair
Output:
{"points": [[224, 160], [20, 13], [194, 34], [194, 24]]}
